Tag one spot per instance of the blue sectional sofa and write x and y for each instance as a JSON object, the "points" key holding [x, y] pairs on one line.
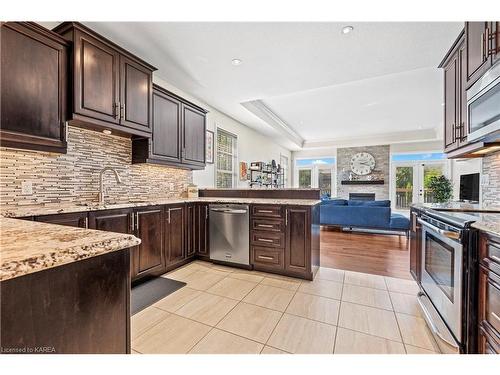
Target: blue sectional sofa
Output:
{"points": [[362, 214]]}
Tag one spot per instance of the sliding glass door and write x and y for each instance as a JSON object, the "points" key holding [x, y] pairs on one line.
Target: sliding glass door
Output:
{"points": [[318, 173]]}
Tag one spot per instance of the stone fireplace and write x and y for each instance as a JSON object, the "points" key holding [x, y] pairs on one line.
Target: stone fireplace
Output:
{"points": [[362, 196]]}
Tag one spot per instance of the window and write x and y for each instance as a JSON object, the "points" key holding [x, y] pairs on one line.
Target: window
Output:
{"points": [[226, 159], [316, 173]]}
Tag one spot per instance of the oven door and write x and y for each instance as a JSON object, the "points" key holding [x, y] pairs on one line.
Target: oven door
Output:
{"points": [[442, 275]]}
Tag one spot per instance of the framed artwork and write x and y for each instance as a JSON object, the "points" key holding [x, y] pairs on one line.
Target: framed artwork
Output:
{"points": [[209, 148], [243, 171]]}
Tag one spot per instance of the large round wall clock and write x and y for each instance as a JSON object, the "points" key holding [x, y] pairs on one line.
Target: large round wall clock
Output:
{"points": [[362, 163]]}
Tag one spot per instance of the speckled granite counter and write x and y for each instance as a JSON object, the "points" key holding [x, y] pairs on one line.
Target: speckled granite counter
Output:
{"points": [[57, 208], [457, 206], [27, 247], [488, 223]]}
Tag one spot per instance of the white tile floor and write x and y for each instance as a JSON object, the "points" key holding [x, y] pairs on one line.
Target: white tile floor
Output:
{"points": [[225, 310]]}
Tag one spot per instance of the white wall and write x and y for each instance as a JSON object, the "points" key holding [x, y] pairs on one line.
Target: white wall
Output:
{"points": [[252, 146]]}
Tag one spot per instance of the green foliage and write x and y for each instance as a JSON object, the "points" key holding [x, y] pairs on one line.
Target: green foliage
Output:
{"points": [[404, 177], [431, 172], [442, 188]]}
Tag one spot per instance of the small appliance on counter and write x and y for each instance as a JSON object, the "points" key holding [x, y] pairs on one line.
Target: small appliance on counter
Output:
{"points": [[192, 191]]}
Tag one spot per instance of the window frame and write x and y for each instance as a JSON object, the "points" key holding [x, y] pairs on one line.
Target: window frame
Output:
{"points": [[234, 154]]}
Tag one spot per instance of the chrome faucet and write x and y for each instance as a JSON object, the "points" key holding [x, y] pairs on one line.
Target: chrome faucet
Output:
{"points": [[101, 182]]}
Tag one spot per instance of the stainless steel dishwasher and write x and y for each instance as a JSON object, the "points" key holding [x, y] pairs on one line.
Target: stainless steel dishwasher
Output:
{"points": [[229, 233]]}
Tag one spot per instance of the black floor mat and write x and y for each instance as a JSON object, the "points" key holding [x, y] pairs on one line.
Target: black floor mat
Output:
{"points": [[151, 291]]}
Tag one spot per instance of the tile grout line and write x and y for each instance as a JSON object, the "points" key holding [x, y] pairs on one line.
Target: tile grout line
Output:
{"points": [[338, 315], [397, 321]]}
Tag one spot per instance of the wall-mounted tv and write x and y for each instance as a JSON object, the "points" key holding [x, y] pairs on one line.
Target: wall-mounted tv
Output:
{"points": [[469, 187]]}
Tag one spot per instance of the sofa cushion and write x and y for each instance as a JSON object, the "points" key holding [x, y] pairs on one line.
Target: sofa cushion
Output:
{"points": [[335, 202], [399, 222], [355, 216], [381, 203]]}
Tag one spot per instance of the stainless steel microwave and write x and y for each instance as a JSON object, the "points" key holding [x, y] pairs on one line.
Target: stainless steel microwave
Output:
{"points": [[483, 105]]}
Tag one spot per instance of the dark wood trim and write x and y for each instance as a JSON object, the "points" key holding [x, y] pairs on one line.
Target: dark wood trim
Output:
{"points": [[453, 48], [260, 193]]}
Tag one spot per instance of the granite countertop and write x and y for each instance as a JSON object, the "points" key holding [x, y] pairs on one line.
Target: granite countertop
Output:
{"points": [[488, 222], [27, 246], [457, 206], [59, 208]]}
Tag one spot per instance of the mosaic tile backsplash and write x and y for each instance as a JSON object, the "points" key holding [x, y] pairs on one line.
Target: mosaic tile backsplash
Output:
{"points": [[491, 191], [74, 177]]}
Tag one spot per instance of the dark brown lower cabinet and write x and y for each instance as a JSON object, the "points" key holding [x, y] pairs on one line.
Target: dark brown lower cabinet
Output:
{"points": [[197, 230], [175, 234], [489, 295], [298, 240], [78, 308], [148, 227], [285, 239], [77, 219]]}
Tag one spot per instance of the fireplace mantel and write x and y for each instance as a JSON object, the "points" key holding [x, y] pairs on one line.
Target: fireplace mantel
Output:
{"points": [[363, 182]]}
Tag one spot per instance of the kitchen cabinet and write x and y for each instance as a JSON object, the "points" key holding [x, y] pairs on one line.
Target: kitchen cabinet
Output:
{"points": [[415, 245], [191, 237], [455, 98], [197, 230], [489, 294], [285, 239], [175, 234], [111, 88], [77, 219], [482, 48], [298, 240], [178, 135], [148, 227], [34, 78]]}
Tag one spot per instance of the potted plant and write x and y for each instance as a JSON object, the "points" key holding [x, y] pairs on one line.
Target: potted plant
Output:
{"points": [[441, 187]]}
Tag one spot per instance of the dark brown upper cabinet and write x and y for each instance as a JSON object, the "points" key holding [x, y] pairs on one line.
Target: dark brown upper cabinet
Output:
{"points": [[455, 98], [34, 66], [178, 137], [482, 48], [111, 88]]}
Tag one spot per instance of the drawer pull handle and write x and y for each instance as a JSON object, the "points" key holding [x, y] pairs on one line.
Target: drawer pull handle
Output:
{"points": [[266, 211], [265, 257], [495, 316], [264, 240], [265, 225]]}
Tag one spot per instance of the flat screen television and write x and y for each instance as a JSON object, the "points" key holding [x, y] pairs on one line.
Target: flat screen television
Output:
{"points": [[469, 187]]}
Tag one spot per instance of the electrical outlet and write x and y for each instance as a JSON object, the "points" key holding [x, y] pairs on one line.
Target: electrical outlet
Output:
{"points": [[171, 186], [26, 187]]}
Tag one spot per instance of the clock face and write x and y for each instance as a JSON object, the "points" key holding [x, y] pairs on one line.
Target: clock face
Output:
{"points": [[362, 163]]}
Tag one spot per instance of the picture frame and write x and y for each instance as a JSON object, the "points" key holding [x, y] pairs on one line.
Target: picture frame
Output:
{"points": [[209, 148]]}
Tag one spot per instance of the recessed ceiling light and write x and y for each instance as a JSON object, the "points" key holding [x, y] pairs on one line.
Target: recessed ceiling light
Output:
{"points": [[106, 131], [347, 29], [236, 62]]}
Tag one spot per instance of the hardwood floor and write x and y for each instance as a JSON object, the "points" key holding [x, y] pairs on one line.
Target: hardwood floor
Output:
{"points": [[385, 255]]}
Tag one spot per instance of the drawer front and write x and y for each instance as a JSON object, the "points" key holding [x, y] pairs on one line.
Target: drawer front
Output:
{"points": [[267, 257], [267, 211], [268, 239], [268, 225]]}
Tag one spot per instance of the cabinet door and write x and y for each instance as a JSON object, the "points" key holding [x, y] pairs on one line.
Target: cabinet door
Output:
{"points": [[96, 81], [78, 219], [192, 230], [298, 240], [415, 247], [463, 127], [203, 239], [450, 103], [166, 143], [193, 137], [478, 45], [34, 88], [148, 224], [174, 235], [495, 42], [136, 95], [119, 221]]}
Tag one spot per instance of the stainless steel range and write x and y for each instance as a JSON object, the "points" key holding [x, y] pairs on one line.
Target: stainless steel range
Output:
{"points": [[444, 275]]}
